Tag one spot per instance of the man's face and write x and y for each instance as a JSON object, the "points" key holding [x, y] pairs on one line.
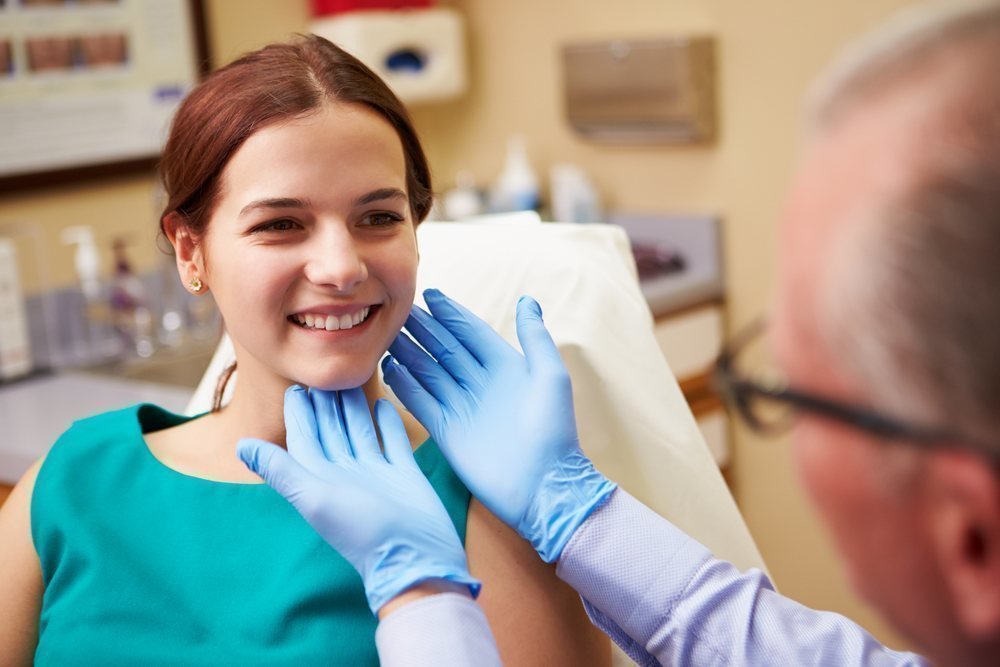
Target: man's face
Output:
{"points": [[861, 486]]}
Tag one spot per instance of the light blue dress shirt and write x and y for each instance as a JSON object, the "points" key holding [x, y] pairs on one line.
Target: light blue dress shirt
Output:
{"points": [[661, 596]]}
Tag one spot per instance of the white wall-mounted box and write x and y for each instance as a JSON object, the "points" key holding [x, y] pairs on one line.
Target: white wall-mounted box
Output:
{"points": [[419, 53]]}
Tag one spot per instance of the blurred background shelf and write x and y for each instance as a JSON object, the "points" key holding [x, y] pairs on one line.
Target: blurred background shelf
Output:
{"points": [[179, 367], [36, 410]]}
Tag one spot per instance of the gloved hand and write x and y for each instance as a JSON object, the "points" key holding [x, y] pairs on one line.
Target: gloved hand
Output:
{"points": [[379, 511], [504, 421]]}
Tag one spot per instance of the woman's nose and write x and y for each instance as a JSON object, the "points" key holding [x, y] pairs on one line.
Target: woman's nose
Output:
{"points": [[336, 261]]}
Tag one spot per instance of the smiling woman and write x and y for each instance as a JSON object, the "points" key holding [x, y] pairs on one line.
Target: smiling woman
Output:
{"points": [[293, 233], [295, 184]]}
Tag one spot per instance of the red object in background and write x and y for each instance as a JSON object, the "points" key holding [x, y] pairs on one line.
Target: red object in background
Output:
{"points": [[325, 7]]}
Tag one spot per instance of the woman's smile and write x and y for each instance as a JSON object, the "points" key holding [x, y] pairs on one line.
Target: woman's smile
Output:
{"points": [[342, 321]]}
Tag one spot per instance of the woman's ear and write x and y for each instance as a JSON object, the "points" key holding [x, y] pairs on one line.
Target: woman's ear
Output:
{"points": [[965, 531], [187, 251]]}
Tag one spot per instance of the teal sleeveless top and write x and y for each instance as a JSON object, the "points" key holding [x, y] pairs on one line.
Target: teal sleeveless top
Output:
{"points": [[144, 565]]}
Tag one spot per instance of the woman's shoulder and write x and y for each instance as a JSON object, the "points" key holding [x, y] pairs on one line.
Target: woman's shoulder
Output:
{"points": [[99, 438], [123, 423], [21, 584], [89, 469], [111, 423], [18, 502], [95, 432]]}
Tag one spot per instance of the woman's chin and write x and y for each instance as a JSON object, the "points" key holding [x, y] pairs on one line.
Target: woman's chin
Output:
{"points": [[336, 381]]}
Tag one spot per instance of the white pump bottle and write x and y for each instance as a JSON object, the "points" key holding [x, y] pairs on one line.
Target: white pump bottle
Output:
{"points": [[86, 260]]}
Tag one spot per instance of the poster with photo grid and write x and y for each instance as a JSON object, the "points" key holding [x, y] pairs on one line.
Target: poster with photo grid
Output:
{"points": [[88, 87]]}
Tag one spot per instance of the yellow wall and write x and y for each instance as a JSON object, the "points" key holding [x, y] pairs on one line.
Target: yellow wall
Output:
{"points": [[769, 50]]}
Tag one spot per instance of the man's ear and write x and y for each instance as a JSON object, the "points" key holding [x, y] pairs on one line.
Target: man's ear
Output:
{"points": [[964, 516], [187, 251]]}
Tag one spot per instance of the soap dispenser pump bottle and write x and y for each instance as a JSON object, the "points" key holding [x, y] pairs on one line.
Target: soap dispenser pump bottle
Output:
{"points": [[92, 342], [517, 187]]}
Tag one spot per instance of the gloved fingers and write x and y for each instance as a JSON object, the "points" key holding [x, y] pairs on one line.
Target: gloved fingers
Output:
{"points": [[445, 348], [275, 466], [395, 442], [334, 437], [301, 432], [536, 341], [417, 400], [360, 428], [477, 336], [425, 370]]}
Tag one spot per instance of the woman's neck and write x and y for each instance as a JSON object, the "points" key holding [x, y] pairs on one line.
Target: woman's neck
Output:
{"points": [[256, 409], [206, 447]]}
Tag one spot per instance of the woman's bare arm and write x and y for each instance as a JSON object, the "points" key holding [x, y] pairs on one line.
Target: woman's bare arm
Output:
{"points": [[536, 618], [20, 576]]}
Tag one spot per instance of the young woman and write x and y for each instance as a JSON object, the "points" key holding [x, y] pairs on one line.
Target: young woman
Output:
{"points": [[295, 182]]}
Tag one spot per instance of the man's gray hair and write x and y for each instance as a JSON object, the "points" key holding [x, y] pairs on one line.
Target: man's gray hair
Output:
{"points": [[888, 56], [913, 304]]}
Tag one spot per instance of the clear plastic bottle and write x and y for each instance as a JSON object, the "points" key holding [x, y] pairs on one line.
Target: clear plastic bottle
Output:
{"points": [[95, 341], [573, 196], [517, 187]]}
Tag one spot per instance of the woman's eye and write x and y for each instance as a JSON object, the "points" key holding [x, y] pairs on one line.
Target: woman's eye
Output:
{"points": [[281, 225], [382, 219]]}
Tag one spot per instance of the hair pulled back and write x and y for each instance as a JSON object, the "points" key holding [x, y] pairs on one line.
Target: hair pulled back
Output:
{"points": [[277, 82]]}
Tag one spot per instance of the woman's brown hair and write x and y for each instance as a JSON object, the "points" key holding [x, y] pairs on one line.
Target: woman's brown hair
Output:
{"points": [[277, 82]]}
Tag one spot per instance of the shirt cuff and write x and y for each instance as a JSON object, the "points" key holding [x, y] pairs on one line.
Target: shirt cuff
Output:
{"points": [[626, 560], [444, 629]]}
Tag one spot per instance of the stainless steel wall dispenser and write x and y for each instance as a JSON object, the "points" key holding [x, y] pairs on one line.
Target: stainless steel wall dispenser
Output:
{"points": [[642, 91]]}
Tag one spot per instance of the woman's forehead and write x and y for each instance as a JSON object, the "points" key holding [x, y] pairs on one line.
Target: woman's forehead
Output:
{"points": [[341, 152]]}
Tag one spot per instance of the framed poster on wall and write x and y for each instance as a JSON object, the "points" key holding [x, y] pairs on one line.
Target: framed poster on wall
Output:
{"points": [[88, 87]]}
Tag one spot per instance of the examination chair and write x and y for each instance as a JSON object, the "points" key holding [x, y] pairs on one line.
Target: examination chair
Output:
{"points": [[632, 418]]}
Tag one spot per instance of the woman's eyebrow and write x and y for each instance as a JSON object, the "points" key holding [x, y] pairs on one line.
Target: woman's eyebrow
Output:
{"points": [[277, 202], [380, 195]]}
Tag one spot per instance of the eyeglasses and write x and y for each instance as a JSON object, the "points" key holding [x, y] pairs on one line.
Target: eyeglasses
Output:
{"points": [[751, 384]]}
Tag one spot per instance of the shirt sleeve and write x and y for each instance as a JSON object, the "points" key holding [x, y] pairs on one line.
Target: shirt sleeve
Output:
{"points": [[445, 629], [664, 599]]}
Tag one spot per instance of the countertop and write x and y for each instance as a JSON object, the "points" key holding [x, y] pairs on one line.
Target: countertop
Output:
{"points": [[697, 239], [34, 412]]}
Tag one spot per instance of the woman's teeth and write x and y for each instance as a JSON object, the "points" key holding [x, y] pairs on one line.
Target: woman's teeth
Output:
{"points": [[332, 322]]}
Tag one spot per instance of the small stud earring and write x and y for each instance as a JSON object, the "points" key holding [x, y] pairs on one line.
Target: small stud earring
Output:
{"points": [[196, 285]]}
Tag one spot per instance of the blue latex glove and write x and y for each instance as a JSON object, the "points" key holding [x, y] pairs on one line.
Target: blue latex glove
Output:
{"points": [[379, 511], [504, 421]]}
